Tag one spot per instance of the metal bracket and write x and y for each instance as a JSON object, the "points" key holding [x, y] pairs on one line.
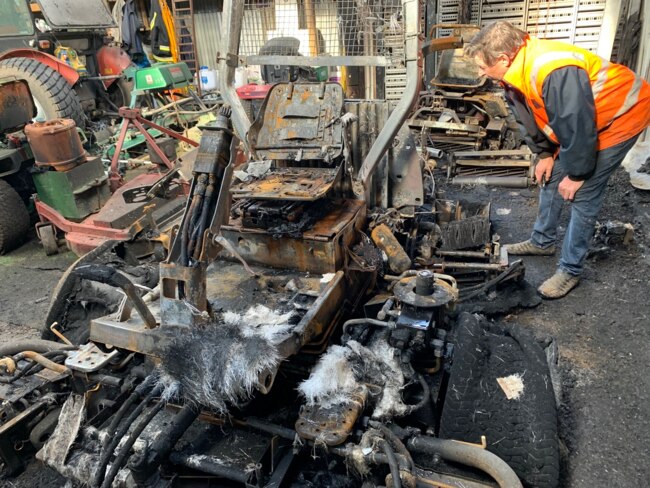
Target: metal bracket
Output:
{"points": [[89, 358]]}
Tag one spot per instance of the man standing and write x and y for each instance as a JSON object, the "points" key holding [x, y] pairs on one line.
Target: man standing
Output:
{"points": [[581, 115]]}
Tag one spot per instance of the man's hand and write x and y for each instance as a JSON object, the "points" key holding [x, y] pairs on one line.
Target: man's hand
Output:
{"points": [[568, 188], [543, 168]]}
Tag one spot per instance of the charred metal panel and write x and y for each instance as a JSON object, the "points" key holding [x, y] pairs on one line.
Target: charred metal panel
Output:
{"points": [[321, 249], [405, 170], [370, 118], [16, 105], [289, 184], [301, 121]]}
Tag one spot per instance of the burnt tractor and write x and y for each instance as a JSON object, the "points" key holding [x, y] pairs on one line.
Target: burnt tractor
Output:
{"points": [[306, 328]]}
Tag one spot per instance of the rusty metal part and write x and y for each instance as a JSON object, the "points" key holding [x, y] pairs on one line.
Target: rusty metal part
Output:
{"points": [[468, 455], [42, 360], [133, 116], [56, 143], [59, 334], [16, 105], [190, 309], [13, 428], [440, 44], [442, 292], [119, 220], [404, 106], [398, 260], [320, 250], [333, 425], [299, 121], [306, 184], [405, 172]]}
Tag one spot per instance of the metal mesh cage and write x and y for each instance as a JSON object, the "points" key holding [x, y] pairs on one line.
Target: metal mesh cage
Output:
{"points": [[322, 28]]}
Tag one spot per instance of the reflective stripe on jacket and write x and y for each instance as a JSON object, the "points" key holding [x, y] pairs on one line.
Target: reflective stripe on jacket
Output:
{"points": [[621, 97]]}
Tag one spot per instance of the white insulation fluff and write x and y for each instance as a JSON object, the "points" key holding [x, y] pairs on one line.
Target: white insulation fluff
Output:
{"points": [[344, 370]]}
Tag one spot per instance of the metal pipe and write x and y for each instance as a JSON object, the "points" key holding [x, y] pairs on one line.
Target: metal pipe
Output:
{"points": [[398, 116], [395, 441], [38, 345], [469, 455], [43, 361], [231, 26], [471, 266], [463, 254], [504, 181], [366, 321]]}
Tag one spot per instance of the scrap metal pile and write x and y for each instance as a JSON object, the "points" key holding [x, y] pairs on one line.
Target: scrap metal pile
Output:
{"points": [[465, 118], [304, 329]]}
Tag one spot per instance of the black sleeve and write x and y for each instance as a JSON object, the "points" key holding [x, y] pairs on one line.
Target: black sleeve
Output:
{"points": [[571, 111], [535, 139]]}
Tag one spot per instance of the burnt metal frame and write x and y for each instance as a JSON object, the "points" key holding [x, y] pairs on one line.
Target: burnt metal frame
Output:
{"points": [[233, 15]]}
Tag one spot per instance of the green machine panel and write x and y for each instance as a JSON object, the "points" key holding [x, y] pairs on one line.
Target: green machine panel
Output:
{"points": [[76, 193], [163, 76]]}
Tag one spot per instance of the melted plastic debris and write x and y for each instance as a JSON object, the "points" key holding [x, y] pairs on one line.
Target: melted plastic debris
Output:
{"points": [[342, 371]]}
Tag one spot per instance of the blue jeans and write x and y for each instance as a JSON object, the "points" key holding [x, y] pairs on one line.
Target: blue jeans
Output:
{"points": [[584, 209]]}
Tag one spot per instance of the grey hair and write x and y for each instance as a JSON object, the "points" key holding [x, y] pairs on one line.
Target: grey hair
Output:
{"points": [[500, 37]]}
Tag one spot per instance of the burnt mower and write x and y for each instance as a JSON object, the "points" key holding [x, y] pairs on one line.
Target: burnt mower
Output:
{"points": [[293, 336]]}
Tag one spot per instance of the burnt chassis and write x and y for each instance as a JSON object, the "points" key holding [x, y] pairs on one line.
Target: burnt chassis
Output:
{"points": [[462, 115], [163, 392]]}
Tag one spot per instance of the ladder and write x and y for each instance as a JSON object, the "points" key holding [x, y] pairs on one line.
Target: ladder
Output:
{"points": [[183, 14]]}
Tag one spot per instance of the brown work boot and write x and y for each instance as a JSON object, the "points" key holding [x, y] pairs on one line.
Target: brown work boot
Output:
{"points": [[558, 285], [527, 248]]}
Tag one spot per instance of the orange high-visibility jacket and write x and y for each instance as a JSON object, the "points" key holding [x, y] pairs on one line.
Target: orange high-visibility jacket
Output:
{"points": [[622, 98]]}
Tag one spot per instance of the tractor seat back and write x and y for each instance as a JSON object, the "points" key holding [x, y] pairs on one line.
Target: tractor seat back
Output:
{"points": [[17, 106]]}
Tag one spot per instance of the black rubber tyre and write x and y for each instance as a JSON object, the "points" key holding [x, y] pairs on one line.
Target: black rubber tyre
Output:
{"points": [[523, 431], [76, 301], [50, 90], [14, 218]]}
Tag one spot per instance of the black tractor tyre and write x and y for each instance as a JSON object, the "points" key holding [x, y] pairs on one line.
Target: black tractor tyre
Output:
{"points": [[522, 431], [50, 90], [14, 218], [76, 301]]}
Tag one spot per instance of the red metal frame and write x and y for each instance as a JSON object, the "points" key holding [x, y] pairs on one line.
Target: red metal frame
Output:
{"points": [[134, 116], [68, 72]]}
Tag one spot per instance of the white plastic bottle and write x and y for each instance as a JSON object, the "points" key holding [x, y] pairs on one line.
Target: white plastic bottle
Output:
{"points": [[208, 79]]}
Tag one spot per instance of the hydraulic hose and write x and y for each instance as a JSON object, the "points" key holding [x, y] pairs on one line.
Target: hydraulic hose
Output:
{"points": [[155, 454], [425, 395], [392, 463], [395, 442], [36, 345], [469, 455], [124, 452], [115, 439]]}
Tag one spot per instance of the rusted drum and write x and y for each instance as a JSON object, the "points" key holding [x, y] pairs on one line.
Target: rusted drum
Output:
{"points": [[56, 143]]}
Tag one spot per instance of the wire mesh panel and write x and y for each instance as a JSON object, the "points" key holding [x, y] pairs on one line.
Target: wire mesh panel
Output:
{"points": [[322, 28]]}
